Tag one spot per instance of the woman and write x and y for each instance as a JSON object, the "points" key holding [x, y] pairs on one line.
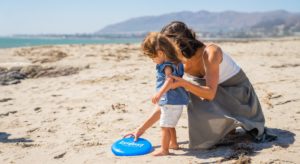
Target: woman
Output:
{"points": [[221, 96]]}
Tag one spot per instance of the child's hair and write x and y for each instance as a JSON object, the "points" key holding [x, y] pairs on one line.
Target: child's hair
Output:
{"points": [[155, 41]]}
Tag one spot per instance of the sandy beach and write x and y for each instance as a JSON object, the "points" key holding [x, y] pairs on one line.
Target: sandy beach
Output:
{"points": [[74, 101]]}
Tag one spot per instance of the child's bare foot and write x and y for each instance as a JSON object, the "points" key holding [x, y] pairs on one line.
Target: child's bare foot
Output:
{"points": [[160, 153], [174, 146]]}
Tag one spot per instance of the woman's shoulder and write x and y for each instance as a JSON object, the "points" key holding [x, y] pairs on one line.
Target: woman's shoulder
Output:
{"points": [[212, 47], [213, 53]]}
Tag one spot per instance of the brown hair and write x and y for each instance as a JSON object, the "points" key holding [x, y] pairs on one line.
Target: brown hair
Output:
{"points": [[184, 37], [155, 41]]}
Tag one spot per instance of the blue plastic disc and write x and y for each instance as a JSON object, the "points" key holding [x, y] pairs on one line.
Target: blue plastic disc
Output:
{"points": [[127, 147]]}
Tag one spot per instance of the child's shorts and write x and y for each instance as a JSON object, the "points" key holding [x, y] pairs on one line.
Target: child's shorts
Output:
{"points": [[170, 115]]}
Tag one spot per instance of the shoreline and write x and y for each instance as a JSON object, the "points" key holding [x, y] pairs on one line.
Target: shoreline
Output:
{"points": [[133, 40]]}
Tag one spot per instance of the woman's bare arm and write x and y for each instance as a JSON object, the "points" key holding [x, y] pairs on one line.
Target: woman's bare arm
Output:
{"points": [[211, 59]]}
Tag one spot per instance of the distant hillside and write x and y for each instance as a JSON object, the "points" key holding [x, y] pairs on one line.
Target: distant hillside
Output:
{"points": [[227, 23]]}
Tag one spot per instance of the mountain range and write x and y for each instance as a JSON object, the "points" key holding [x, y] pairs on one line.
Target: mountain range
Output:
{"points": [[214, 24]]}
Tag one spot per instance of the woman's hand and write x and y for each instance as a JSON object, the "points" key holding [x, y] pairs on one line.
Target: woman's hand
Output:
{"points": [[178, 82]]}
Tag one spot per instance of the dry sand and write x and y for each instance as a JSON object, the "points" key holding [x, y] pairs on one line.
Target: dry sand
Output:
{"points": [[79, 99]]}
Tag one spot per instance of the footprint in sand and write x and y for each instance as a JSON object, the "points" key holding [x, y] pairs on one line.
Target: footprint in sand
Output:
{"points": [[5, 100], [285, 65], [287, 101], [7, 113], [100, 113], [38, 109], [32, 130], [270, 95], [26, 145], [60, 155], [119, 107], [115, 78]]}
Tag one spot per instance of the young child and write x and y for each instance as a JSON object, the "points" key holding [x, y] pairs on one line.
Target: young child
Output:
{"points": [[171, 101]]}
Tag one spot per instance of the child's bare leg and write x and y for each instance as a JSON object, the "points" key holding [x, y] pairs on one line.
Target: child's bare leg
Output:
{"points": [[173, 140], [165, 141]]}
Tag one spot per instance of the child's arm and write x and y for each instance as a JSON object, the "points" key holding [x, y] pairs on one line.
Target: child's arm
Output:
{"points": [[165, 87], [148, 123]]}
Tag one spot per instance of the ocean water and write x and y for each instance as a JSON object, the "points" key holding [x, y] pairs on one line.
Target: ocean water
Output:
{"points": [[10, 42]]}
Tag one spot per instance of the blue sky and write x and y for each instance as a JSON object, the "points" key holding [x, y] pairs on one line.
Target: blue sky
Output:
{"points": [[86, 16]]}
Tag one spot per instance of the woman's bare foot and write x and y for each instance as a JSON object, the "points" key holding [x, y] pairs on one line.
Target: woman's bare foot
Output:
{"points": [[174, 146], [232, 132], [160, 153]]}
